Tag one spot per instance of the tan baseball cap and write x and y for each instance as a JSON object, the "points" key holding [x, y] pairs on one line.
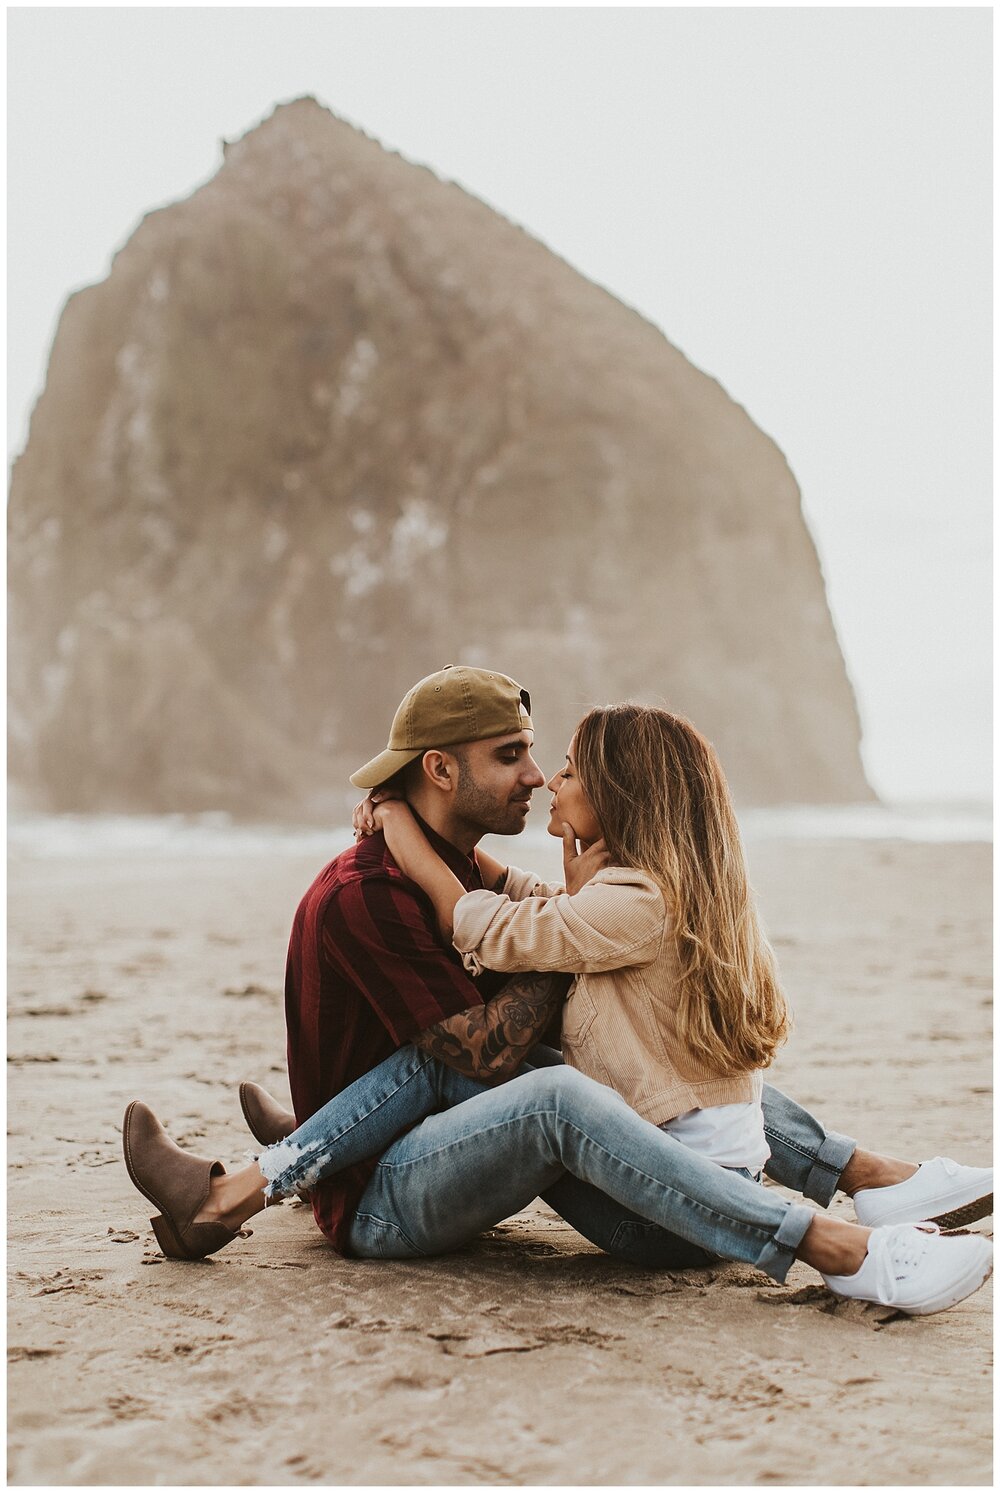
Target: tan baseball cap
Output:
{"points": [[454, 705]]}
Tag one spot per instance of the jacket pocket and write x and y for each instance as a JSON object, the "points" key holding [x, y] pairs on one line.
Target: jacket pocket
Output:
{"points": [[578, 1016]]}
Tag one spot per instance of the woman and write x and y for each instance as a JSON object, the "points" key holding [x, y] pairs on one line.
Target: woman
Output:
{"points": [[676, 1003]]}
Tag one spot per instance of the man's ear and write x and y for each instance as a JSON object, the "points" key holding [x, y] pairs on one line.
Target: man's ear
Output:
{"points": [[440, 769]]}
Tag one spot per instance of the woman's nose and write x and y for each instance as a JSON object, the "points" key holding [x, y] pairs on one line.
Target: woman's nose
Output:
{"points": [[553, 782]]}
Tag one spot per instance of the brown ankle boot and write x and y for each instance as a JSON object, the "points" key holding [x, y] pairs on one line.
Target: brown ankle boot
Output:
{"points": [[176, 1183], [268, 1122]]}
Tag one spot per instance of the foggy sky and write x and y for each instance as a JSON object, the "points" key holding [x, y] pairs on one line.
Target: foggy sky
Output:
{"points": [[799, 198]]}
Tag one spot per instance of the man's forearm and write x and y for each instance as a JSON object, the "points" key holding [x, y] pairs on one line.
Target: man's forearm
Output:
{"points": [[490, 1042]]}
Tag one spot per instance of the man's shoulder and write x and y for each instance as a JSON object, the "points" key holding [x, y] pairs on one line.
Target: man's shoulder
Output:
{"points": [[364, 899], [346, 875], [356, 872], [369, 858]]}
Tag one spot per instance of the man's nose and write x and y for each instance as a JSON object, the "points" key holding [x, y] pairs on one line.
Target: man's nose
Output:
{"points": [[533, 777]]}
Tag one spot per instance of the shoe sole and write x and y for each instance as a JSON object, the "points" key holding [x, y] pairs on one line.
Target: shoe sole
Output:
{"points": [[957, 1217], [163, 1227], [968, 1213]]}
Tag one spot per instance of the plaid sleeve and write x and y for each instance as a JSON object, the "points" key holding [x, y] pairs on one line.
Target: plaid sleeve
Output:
{"points": [[376, 932]]}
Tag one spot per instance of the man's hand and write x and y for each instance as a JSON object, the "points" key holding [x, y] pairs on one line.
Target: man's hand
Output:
{"points": [[580, 864]]}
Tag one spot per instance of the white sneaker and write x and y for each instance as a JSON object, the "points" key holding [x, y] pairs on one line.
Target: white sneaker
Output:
{"points": [[940, 1191], [916, 1269]]}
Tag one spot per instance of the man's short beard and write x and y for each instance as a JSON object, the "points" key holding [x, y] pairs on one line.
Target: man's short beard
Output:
{"points": [[480, 808]]}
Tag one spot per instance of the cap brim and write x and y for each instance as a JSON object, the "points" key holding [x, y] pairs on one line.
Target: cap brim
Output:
{"points": [[381, 768]]}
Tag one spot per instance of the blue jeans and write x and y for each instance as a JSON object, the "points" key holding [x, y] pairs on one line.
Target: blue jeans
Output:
{"points": [[481, 1154]]}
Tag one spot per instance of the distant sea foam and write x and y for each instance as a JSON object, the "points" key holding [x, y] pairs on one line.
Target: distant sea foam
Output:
{"points": [[70, 836]]}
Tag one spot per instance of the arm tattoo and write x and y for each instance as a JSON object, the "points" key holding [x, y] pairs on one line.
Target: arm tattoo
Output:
{"points": [[491, 1042], [500, 882]]}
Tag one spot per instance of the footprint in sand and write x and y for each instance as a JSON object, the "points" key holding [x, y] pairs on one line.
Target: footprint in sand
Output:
{"points": [[302, 1467]]}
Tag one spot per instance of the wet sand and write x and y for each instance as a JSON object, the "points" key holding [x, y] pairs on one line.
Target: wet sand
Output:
{"points": [[528, 1357]]}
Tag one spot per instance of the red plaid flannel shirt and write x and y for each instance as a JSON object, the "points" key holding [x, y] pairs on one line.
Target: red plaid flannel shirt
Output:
{"points": [[367, 971]]}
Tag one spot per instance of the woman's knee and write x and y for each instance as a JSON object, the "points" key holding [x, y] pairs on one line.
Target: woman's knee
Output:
{"points": [[564, 1087]]}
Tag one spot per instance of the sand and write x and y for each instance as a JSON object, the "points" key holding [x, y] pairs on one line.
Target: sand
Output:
{"points": [[528, 1357]]}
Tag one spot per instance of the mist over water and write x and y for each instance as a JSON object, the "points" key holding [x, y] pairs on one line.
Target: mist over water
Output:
{"points": [[71, 837]]}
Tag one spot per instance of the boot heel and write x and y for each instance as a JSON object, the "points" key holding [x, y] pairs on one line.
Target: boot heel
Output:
{"points": [[167, 1239]]}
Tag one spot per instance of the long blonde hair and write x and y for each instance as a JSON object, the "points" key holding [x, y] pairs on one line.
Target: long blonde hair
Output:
{"points": [[661, 798]]}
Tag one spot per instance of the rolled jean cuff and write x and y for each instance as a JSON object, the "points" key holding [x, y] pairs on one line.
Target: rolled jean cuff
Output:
{"points": [[835, 1151], [778, 1253]]}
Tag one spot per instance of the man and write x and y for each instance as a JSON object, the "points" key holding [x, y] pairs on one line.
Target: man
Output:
{"points": [[368, 974]]}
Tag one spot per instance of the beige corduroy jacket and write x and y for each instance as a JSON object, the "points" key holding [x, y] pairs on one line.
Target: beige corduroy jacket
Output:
{"points": [[620, 1019]]}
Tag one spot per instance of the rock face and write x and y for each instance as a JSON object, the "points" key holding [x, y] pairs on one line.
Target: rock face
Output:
{"points": [[332, 423]]}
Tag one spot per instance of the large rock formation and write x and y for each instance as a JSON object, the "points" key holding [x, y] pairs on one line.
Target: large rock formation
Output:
{"points": [[331, 423]]}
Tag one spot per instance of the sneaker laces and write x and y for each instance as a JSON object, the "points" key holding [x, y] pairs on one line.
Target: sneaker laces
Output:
{"points": [[902, 1251]]}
